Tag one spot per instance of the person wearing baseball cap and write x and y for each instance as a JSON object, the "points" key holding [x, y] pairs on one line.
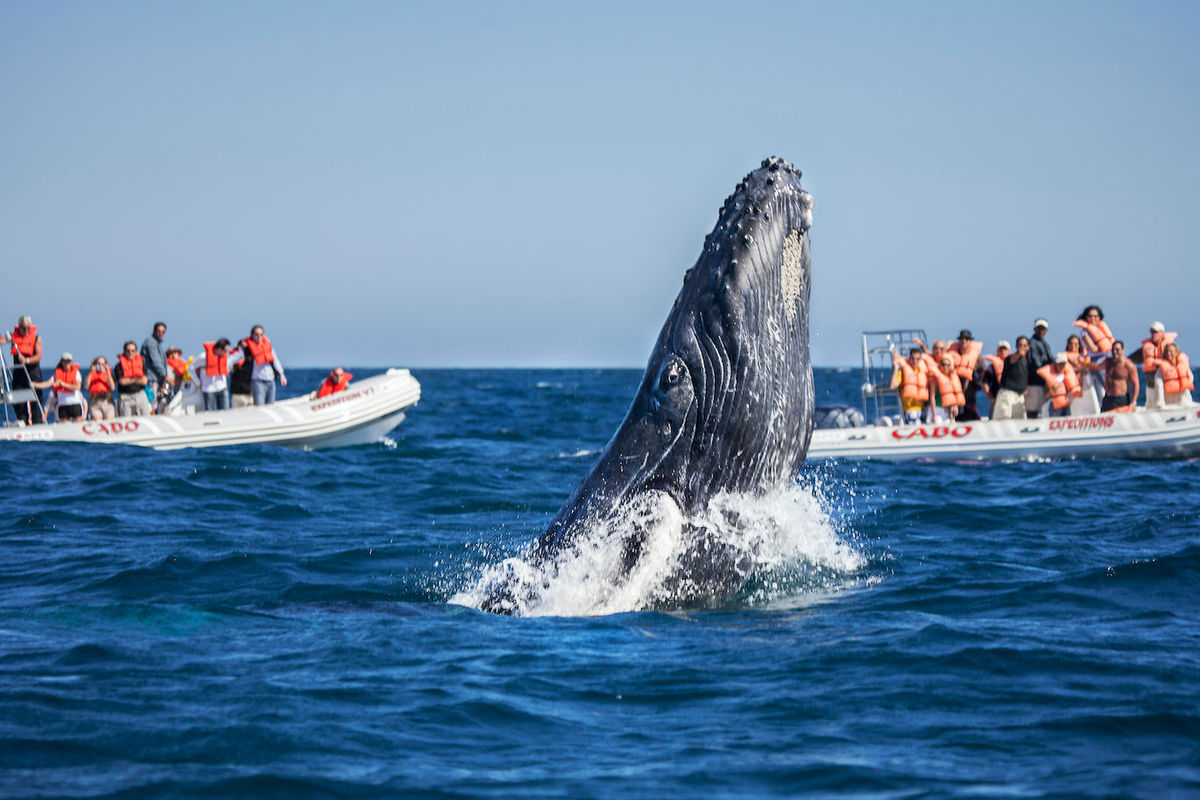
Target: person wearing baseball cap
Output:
{"points": [[1040, 355], [1152, 353]]}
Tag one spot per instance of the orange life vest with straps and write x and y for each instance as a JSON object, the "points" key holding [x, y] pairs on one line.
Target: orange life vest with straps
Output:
{"points": [[1076, 360], [214, 364], [997, 364], [100, 381], [1102, 337], [1176, 377], [25, 345], [330, 387], [966, 363], [1152, 353], [260, 351], [1060, 387], [70, 375], [950, 389], [131, 367], [915, 385], [178, 364]]}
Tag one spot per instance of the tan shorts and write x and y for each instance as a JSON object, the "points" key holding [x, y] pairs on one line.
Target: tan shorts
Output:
{"points": [[102, 409], [1008, 405], [243, 400]]}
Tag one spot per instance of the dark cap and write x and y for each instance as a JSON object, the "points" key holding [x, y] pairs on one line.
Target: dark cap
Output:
{"points": [[965, 334]]}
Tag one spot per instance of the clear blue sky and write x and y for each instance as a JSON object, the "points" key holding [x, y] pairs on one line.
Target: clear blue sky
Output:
{"points": [[524, 184]]}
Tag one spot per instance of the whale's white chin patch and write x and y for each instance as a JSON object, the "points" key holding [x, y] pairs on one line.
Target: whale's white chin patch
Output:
{"points": [[791, 274]]}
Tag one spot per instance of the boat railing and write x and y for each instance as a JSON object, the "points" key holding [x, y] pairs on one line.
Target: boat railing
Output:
{"points": [[11, 396], [881, 403]]}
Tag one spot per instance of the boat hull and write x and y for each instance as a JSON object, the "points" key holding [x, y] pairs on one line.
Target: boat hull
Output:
{"points": [[1146, 434], [365, 412]]}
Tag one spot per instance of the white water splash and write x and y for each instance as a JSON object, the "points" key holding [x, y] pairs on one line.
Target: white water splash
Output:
{"points": [[778, 550]]}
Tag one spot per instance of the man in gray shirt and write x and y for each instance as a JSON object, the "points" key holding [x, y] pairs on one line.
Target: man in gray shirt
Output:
{"points": [[154, 357], [1040, 355]]}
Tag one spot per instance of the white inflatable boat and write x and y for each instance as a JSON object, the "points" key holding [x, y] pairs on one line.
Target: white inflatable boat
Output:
{"points": [[363, 413], [1172, 432]]}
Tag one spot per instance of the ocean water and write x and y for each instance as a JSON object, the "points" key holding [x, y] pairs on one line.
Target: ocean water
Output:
{"points": [[261, 622]]}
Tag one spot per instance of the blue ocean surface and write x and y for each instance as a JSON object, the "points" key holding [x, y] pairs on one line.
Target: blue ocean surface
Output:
{"points": [[263, 622]]}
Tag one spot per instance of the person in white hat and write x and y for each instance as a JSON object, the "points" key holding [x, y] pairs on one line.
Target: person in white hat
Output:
{"points": [[994, 369], [1040, 355], [66, 384], [1152, 352]]}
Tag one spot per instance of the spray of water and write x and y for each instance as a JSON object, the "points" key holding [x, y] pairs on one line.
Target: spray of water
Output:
{"points": [[742, 550]]}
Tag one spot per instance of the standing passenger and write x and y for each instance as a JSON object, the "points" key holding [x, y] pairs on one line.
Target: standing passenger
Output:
{"points": [[1177, 378], [1040, 355], [1010, 402], [100, 390], [995, 369], [912, 379], [131, 383], [1098, 337], [1152, 353], [214, 375], [266, 367], [1120, 380], [27, 368], [154, 358], [67, 385], [1061, 385]]}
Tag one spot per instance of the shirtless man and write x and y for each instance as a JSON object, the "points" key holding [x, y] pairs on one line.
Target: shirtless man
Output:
{"points": [[1120, 379]]}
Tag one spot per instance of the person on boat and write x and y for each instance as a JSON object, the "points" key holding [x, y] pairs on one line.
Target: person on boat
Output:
{"points": [[130, 373], [335, 382], [1152, 353], [67, 384], [177, 373], [214, 374], [1088, 401], [154, 359], [1040, 355], [993, 369], [1176, 373], [1097, 337], [966, 350], [933, 356], [1061, 385], [101, 386], [1120, 380], [1014, 382], [239, 380], [946, 391], [266, 367], [911, 377], [27, 368]]}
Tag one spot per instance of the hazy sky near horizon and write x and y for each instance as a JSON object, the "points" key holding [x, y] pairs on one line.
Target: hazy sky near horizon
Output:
{"points": [[524, 184]]}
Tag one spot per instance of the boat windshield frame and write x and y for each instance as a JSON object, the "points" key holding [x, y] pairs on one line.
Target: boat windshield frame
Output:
{"points": [[880, 403]]}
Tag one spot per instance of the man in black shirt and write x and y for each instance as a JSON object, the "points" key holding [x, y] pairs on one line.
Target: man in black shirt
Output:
{"points": [[1040, 355], [1013, 383]]}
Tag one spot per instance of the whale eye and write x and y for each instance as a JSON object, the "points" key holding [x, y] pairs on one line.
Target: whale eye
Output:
{"points": [[671, 375]]}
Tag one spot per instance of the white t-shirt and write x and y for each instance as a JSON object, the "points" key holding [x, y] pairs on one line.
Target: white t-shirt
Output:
{"points": [[71, 397]]}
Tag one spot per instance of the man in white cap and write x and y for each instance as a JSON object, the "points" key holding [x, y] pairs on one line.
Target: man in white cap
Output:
{"points": [[1040, 355], [1152, 349], [994, 370]]}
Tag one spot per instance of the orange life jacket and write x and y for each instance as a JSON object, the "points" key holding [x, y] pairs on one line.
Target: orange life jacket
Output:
{"points": [[66, 376], [214, 364], [178, 364], [915, 384], [100, 381], [131, 367], [950, 389], [261, 351], [1102, 337], [330, 387], [25, 345], [1076, 360], [1152, 352], [1176, 377], [1060, 388], [997, 364], [966, 364]]}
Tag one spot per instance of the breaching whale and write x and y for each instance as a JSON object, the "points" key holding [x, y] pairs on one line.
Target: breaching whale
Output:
{"points": [[725, 404]]}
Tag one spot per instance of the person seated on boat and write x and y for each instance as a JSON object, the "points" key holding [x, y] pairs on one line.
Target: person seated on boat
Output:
{"points": [[335, 382], [1061, 385], [1177, 379], [130, 373], [1120, 380], [993, 369], [1151, 355], [1040, 354], [266, 367], [912, 379], [214, 374], [177, 373], [101, 386], [946, 391], [1097, 337], [27, 368], [1014, 381]]}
